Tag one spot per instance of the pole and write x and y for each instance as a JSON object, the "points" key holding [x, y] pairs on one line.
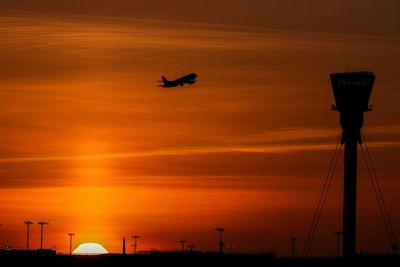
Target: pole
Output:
{"points": [[70, 242], [135, 237], [338, 233], [221, 243], [41, 236], [42, 223], [28, 223], [183, 245], [123, 246], [230, 246], [293, 251], [191, 247]]}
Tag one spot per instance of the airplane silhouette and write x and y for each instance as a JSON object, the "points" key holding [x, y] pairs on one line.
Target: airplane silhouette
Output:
{"points": [[189, 79]]}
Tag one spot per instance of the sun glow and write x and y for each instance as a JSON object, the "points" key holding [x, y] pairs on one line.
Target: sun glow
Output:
{"points": [[90, 249]]}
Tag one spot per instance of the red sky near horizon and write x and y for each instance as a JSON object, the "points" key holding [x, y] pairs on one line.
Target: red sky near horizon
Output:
{"points": [[90, 144]]}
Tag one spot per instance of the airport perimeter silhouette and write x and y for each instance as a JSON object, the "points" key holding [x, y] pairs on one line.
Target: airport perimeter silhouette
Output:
{"points": [[47, 258]]}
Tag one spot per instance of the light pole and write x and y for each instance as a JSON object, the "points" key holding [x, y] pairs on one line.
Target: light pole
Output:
{"points": [[221, 243], [191, 247], [230, 246], [41, 223], [293, 241], [183, 244], [338, 233], [135, 238], [28, 223], [70, 242]]}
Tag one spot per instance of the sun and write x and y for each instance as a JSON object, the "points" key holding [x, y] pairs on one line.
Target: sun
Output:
{"points": [[90, 249]]}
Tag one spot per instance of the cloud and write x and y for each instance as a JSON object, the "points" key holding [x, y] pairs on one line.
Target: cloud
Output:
{"points": [[86, 93], [310, 15]]}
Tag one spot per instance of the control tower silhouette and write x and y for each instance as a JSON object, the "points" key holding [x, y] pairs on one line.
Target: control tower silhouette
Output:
{"points": [[352, 91]]}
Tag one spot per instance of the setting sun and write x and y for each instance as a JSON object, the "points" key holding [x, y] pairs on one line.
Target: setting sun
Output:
{"points": [[90, 249]]}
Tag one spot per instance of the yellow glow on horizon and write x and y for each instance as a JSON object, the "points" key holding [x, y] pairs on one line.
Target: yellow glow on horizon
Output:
{"points": [[90, 249]]}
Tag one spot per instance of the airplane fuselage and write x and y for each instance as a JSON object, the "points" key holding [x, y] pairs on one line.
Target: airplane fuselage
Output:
{"points": [[189, 79]]}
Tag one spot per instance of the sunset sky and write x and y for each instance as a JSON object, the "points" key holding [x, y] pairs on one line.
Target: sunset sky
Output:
{"points": [[89, 143]]}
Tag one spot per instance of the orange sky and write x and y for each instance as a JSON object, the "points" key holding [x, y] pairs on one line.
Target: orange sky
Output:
{"points": [[90, 144]]}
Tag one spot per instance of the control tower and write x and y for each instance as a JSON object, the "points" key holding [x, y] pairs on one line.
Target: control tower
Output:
{"points": [[352, 91]]}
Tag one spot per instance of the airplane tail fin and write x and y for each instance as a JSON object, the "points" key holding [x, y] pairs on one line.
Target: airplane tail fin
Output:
{"points": [[165, 80]]}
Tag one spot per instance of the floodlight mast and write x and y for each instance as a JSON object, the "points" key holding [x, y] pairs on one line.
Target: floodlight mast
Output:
{"points": [[293, 239], [338, 233], [191, 247], [28, 223], [42, 223], [352, 91], [221, 243], [135, 238], [183, 245]]}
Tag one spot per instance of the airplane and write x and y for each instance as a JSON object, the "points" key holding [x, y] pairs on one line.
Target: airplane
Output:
{"points": [[189, 79]]}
